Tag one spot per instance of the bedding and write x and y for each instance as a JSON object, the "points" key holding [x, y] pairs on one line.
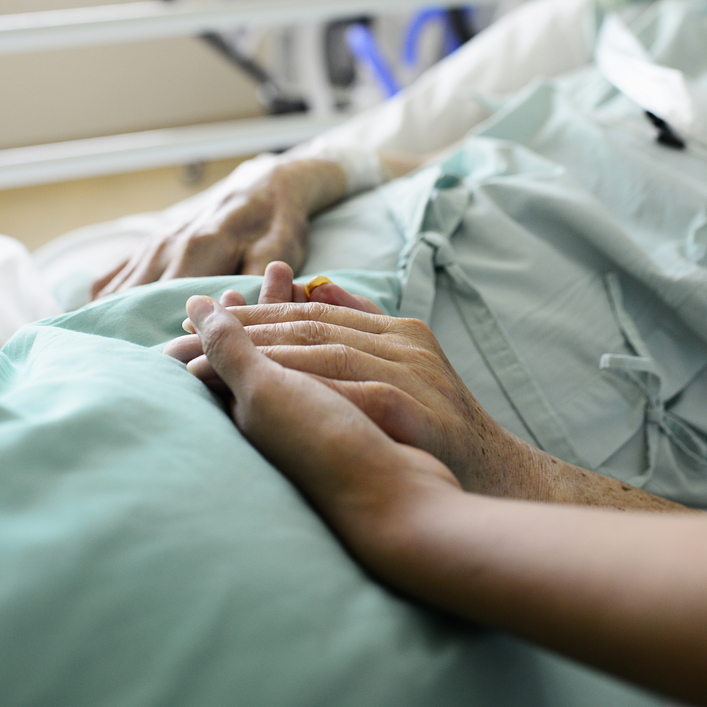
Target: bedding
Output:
{"points": [[151, 556]]}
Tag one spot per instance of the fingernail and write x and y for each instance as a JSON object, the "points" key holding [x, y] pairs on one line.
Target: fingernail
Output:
{"points": [[199, 307], [188, 326], [314, 283]]}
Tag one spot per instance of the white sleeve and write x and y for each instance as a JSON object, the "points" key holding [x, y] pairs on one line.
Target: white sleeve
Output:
{"points": [[540, 38]]}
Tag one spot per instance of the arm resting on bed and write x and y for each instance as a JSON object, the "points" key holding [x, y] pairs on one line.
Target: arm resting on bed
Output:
{"points": [[240, 225]]}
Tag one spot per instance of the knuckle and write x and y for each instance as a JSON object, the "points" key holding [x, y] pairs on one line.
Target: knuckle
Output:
{"points": [[306, 333], [317, 332], [416, 329], [341, 362], [317, 311]]}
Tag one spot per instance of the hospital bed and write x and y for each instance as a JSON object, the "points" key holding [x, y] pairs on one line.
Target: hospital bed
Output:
{"points": [[51, 30], [151, 556]]}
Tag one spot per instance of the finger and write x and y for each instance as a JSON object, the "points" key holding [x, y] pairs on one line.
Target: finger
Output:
{"points": [[204, 371], [226, 345], [312, 333], [143, 268], [101, 284], [299, 294], [231, 298], [184, 348], [269, 400], [119, 278], [150, 251], [277, 284], [339, 362], [315, 311], [330, 293]]}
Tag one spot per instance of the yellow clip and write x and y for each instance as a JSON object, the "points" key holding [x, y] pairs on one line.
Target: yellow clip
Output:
{"points": [[314, 283]]}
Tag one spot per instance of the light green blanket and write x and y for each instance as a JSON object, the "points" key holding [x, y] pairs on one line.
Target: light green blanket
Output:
{"points": [[151, 557]]}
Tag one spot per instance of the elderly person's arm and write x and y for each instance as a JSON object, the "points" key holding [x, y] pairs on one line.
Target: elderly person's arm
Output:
{"points": [[620, 591], [241, 225]]}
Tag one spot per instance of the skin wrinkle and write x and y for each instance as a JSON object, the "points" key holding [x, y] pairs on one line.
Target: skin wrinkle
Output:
{"points": [[240, 230], [315, 333]]}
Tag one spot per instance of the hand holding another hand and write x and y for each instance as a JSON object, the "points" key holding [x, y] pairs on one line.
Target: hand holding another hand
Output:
{"points": [[392, 369], [363, 482]]}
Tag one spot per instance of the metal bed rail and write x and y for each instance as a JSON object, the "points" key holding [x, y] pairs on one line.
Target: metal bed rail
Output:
{"points": [[134, 21], [131, 152]]}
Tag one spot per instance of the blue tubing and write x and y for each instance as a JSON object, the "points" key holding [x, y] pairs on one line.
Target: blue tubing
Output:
{"points": [[418, 24], [364, 47]]}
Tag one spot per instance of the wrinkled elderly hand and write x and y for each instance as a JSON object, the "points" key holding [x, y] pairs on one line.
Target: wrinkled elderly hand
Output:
{"points": [[278, 288], [392, 369], [362, 481], [240, 231]]}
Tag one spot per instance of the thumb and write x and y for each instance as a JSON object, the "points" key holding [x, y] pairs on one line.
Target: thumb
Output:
{"points": [[226, 344]]}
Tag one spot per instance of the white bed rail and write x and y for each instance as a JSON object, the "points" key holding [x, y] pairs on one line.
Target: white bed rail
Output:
{"points": [[133, 21], [77, 159]]}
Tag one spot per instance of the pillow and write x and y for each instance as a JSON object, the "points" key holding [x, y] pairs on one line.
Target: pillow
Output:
{"points": [[151, 556]]}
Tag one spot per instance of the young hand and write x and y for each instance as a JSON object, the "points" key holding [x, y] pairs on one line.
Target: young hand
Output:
{"points": [[361, 481]]}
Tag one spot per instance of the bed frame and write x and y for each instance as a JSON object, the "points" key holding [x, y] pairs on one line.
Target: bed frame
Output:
{"points": [[149, 20]]}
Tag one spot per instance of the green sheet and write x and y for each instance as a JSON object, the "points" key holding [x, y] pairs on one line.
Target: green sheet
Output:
{"points": [[150, 556]]}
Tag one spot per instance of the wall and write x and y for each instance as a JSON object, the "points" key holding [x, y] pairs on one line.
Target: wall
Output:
{"points": [[91, 91]]}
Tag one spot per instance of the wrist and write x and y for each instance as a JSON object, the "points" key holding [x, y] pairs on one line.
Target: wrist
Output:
{"points": [[362, 167], [497, 463], [380, 520], [309, 184]]}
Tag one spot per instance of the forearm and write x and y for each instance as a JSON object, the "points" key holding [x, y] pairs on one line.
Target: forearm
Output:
{"points": [[621, 591], [319, 181], [501, 464]]}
